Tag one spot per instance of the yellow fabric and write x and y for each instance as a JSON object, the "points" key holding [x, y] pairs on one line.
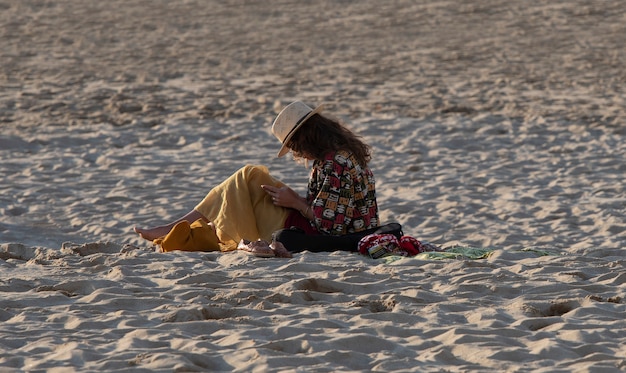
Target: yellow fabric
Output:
{"points": [[197, 236], [240, 208]]}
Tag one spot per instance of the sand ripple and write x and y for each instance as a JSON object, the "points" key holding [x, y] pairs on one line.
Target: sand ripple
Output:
{"points": [[211, 311]]}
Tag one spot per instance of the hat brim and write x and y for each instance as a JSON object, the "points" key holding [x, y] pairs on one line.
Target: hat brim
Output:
{"points": [[284, 149]]}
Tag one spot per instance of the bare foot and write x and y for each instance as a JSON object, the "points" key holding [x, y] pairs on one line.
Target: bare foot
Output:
{"points": [[151, 234], [258, 248], [280, 250]]}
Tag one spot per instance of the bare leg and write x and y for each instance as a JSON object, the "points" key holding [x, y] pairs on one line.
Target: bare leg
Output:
{"points": [[160, 231]]}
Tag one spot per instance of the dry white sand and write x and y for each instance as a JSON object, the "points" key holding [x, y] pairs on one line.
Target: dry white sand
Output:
{"points": [[494, 124]]}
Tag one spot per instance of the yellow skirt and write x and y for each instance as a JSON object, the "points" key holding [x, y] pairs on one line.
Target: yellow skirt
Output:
{"points": [[240, 208]]}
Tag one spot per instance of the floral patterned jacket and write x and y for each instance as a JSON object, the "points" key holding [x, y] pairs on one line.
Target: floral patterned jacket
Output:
{"points": [[342, 195]]}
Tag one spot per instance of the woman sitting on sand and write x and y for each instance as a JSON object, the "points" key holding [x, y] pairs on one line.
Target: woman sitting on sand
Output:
{"points": [[251, 204]]}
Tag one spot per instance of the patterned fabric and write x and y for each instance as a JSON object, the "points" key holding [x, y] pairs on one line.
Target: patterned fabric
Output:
{"points": [[342, 195], [383, 245], [379, 245]]}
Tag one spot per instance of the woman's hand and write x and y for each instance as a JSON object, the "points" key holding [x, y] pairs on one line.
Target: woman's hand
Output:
{"points": [[284, 197]]}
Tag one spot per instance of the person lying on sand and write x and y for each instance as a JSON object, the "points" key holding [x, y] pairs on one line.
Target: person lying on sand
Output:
{"points": [[251, 204]]}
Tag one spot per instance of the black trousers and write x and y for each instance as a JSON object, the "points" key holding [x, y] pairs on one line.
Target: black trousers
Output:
{"points": [[295, 240]]}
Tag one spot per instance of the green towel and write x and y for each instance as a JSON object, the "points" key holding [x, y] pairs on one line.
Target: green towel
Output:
{"points": [[457, 252], [461, 252]]}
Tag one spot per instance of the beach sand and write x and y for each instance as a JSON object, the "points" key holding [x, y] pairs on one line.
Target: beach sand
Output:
{"points": [[494, 124]]}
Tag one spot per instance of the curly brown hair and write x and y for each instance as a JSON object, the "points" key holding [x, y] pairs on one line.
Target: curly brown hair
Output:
{"points": [[320, 135]]}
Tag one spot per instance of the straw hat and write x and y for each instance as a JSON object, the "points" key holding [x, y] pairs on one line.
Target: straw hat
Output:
{"points": [[289, 120]]}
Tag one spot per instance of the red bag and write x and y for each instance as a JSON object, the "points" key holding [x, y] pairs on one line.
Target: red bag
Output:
{"points": [[379, 245], [411, 245]]}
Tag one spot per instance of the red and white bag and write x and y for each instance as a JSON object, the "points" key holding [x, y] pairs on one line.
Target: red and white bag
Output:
{"points": [[380, 245]]}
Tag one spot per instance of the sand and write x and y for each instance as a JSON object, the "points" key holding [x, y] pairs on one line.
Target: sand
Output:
{"points": [[494, 124]]}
